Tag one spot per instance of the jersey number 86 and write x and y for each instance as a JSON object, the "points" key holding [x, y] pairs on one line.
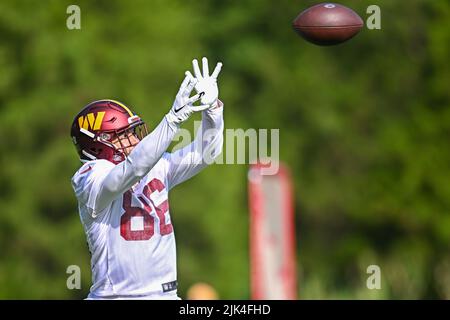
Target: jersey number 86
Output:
{"points": [[145, 213]]}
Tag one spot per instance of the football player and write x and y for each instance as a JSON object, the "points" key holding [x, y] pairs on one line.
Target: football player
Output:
{"points": [[122, 187]]}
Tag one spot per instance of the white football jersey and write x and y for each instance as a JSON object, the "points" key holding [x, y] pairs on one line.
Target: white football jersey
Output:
{"points": [[131, 239]]}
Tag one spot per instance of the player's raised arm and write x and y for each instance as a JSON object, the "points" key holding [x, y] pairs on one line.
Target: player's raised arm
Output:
{"points": [[208, 142], [108, 130], [148, 152]]}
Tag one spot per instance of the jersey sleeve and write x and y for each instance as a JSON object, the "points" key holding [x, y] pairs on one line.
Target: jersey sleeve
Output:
{"points": [[99, 188], [87, 183], [207, 145]]}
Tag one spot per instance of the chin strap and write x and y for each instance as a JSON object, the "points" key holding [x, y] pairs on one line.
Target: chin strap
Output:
{"points": [[87, 154]]}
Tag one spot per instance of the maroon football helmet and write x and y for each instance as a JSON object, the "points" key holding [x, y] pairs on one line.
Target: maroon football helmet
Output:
{"points": [[99, 124]]}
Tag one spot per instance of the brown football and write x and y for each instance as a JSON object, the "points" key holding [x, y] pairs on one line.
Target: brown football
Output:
{"points": [[328, 24]]}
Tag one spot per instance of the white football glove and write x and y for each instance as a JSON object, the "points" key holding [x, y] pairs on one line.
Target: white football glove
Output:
{"points": [[183, 106], [206, 83]]}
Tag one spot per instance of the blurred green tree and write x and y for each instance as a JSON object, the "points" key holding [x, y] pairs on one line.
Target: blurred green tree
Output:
{"points": [[364, 127]]}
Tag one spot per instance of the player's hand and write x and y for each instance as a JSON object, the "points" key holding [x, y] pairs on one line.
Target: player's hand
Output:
{"points": [[206, 83], [183, 107]]}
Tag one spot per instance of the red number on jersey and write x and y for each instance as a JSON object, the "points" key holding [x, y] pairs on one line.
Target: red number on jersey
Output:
{"points": [[148, 220], [152, 186], [125, 221]]}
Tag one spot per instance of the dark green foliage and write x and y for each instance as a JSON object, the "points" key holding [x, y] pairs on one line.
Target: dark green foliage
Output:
{"points": [[364, 127]]}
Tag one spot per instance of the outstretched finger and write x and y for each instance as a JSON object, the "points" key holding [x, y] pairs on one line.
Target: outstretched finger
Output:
{"points": [[217, 70], [190, 87], [184, 84], [189, 74], [200, 108], [205, 67], [197, 72], [195, 98]]}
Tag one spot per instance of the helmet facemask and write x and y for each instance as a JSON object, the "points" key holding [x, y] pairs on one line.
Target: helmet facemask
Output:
{"points": [[123, 141]]}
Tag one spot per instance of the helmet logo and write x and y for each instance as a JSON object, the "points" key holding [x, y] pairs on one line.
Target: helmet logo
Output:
{"points": [[91, 121]]}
